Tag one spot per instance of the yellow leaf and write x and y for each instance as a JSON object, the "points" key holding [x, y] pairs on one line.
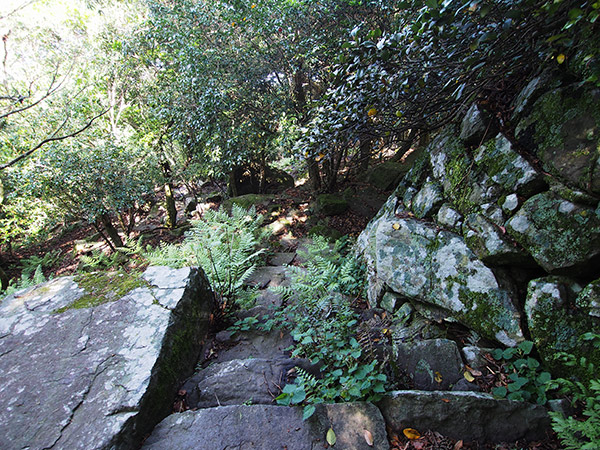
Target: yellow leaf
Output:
{"points": [[253, 5], [331, 437], [372, 112], [320, 157], [411, 433], [470, 378], [560, 58], [438, 377], [396, 226], [368, 438]]}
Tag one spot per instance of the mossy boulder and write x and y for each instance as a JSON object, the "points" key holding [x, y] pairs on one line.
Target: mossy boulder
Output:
{"points": [[423, 264], [331, 204], [563, 237], [249, 200], [491, 244], [427, 201], [387, 175], [564, 130], [556, 323], [322, 229], [588, 299]]}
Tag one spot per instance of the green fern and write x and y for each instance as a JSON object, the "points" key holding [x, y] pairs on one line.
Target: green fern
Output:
{"points": [[226, 246]]}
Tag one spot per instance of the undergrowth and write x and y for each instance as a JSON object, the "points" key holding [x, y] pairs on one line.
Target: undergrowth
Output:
{"points": [[226, 246], [323, 323]]}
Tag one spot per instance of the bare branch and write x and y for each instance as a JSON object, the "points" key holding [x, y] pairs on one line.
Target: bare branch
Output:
{"points": [[53, 138]]}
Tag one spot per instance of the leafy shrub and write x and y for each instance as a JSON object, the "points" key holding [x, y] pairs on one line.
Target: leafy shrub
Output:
{"points": [[225, 245], [584, 432], [526, 380]]}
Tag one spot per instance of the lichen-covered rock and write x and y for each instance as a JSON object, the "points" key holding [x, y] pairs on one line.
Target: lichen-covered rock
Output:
{"points": [[589, 299], [433, 364], [426, 202], [386, 176], [264, 427], [476, 126], [564, 127], [449, 217], [561, 236], [556, 324], [491, 244], [424, 264], [97, 377], [465, 415], [507, 168]]}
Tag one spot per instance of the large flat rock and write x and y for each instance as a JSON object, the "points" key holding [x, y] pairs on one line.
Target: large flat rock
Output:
{"points": [[465, 415], [270, 427], [98, 377]]}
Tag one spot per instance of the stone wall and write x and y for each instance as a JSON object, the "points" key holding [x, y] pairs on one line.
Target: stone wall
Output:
{"points": [[501, 232]]}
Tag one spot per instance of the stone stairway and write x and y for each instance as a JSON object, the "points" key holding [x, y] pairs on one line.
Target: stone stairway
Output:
{"points": [[231, 398]]}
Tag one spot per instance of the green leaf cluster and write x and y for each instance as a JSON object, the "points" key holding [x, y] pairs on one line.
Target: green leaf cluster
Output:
{"points": [[579, 432], [527, 382]]}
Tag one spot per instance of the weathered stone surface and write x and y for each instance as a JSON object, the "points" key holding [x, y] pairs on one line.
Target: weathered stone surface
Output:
{"points": [[267, 276], [97, 377], [561, 236], [252, 344], [270, 427], [490, 243], [589, 299], [477, 126], [563, 127], [449, 217], [282, 258], [421, 263], [465, 415], [433, 364], [427, 201], [556, 325], [507, 168], [240, 381], [387, 175]]}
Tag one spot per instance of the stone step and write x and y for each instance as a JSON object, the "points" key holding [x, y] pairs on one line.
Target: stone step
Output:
{"points": [[282, 258], [251, 344], [242, 381], [356, 426], [268, 276]]}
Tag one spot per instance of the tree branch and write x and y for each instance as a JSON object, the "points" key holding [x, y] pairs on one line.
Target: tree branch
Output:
{"points": [[52, 139]]}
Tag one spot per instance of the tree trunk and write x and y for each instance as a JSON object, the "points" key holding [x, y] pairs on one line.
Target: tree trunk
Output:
{"points": [[111, 231], [3, 279], [169, 198], [314, 176], [364, 154]]}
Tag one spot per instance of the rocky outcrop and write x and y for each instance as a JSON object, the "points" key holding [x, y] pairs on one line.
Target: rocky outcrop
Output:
{"points": [[78, 376], [477, 228]]}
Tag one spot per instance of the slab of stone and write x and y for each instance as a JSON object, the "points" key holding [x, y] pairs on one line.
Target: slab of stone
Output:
{"points": [[271, 427], [267, 276], [253, 344], [470, 416], [426, 265], [240, 381], [433, 364], [99, 377], [282, 258]]}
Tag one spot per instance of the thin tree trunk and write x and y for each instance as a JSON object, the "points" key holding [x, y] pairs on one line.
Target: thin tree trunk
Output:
{"points": [[106, 239], [111, 231], [3, 279], [169, 198], [364, 154]]}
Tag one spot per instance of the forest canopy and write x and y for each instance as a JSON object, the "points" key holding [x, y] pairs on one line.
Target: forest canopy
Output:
{"points": [[104, 101]]}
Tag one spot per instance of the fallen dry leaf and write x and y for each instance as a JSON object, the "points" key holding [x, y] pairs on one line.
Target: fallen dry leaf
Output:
{"points": [[331, 439], [368, 438], [458, 445], [411, 433]]}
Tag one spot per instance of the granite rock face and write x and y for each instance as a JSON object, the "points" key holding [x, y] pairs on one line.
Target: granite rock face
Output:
{"points": [[269, 427], [97, 377]]}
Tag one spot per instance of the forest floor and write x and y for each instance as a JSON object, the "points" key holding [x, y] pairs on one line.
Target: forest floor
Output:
{"points": [[295, 214]]}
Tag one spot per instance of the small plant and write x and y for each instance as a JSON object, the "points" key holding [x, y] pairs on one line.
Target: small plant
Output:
{"points": [[582, 432], [323, 324], [523, 378], [226, 246], [26, 281]]}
